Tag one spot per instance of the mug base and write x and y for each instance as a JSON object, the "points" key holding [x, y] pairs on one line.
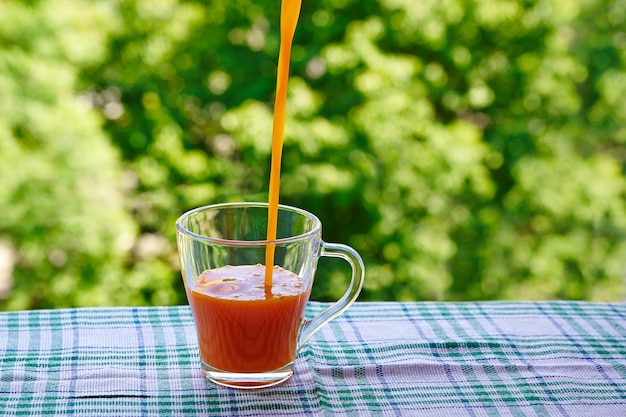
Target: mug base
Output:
{"points": [[247, 380]]}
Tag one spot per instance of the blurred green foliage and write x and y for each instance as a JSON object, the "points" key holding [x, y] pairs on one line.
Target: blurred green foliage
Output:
{"points": [[468, 149]]}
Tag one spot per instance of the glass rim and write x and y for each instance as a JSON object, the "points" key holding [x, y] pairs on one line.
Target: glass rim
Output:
{"points": [[234, 242]]}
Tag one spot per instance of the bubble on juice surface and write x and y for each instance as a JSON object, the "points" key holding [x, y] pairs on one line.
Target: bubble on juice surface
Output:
{"points": [[246, 282]]}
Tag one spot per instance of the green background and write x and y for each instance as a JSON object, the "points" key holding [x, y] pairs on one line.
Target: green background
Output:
{"points": [[468, 149]]}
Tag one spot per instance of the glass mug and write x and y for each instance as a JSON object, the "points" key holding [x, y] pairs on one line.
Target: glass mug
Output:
{"points": [[249, 338]]}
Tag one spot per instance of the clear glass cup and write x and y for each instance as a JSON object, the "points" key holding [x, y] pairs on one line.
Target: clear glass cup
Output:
{"points": [[249, 336]]}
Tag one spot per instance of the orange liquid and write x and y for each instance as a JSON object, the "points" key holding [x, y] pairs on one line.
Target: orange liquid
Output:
{"points": [[289, 12], [239, 329]]}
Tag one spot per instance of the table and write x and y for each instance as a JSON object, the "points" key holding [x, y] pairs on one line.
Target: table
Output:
{"points": [[378, 359]]}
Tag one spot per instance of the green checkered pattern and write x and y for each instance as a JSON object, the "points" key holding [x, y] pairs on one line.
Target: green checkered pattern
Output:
{"points": [[378, 359]]}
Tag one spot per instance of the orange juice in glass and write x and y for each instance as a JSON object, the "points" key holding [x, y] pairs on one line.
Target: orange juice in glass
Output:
{"points": [[248, 334]]}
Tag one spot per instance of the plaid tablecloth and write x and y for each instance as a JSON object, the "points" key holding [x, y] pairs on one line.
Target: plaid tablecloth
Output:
{"points": [[379, 359]]}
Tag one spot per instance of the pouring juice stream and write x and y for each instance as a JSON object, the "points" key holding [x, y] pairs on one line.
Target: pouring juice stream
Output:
{"points": [[289, 12]]}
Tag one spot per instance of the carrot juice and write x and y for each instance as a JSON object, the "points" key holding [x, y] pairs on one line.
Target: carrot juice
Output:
{"points": [[240, 327], [248, 316]]}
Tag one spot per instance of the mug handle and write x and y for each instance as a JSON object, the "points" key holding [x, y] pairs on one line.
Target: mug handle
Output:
{"points": [[345, 252]]}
